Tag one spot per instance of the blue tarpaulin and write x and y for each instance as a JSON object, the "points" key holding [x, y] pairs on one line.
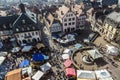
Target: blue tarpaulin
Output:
{"points": [[24, 63], [38, 57]]}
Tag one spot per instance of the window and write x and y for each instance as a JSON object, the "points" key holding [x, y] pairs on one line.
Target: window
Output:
{"points": [[4, 26], [25, 34], [33, 27], [33, 33], [69, 19], [36, 33], [17, 29], [28, 28], [29, 34], [23, 21], [65, 20], [69, 23], [73, 23], [73, 18], [22, 29], [65, 24], [38, 39], [71, 14]]}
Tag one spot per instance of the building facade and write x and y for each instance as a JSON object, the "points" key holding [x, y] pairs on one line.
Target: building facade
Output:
{"points": [[112, 27], [67, 18], [25, 28]]}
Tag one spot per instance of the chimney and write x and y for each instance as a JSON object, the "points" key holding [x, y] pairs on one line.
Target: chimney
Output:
{"points": [[22, 7]]}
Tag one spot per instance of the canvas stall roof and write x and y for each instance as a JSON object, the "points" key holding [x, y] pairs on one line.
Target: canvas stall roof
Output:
{"points": [[70, 72], [109, 78], [45, 67], [84, 74], [15, 49], [102, 74], [37, 75], [66, 51], [39, 45], [94, 54], [67, 63], [2, 59], [26, 48], [13, 75], [112, 50], [77, 46], [65, 56], [27, 69], [85, 79], [3, 53]]}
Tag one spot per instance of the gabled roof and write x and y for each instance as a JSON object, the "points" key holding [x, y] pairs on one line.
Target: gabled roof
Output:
{"points": [[6, 21], [23, 21], [77, 9], [62, 11]]}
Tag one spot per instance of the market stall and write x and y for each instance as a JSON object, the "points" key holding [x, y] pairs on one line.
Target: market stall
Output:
{"points": [[37, 75], [85, 75], [70, 72], [45, 67], [67, 63]]}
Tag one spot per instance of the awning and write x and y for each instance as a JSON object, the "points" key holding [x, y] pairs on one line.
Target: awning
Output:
{"points": [[3, 53], [65, 56], [2, 59], [84, 74], [39, 45], [112, 50], [77, 46], [95, 54], [27, 69], [102, 74], [26, 48], [13, 75], [45, 67], [109, 78], [24, 63], [67, 63], [37, 75], [38, 57], [67, 51], [15, 49], [70, 72]]}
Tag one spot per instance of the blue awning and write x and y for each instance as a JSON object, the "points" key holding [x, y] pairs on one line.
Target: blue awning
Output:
{"points": [[24, 63], [38, 57]]}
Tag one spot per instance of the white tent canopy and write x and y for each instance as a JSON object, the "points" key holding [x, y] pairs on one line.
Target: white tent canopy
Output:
{"points": [[67, 51], [65, 56], [112, 50], [3, 53], [27, 69], [45, 67], [37, 75], [2, 59], [84, 74], [95, 54], [109, 78], [102, 74], [26, 48]]}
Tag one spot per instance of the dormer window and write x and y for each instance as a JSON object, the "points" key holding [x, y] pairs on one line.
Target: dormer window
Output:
{"points": [[10, 25], [28, 28], [22, 29], [17, 29], [23, 21], [33, 27], [4, 26]]}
